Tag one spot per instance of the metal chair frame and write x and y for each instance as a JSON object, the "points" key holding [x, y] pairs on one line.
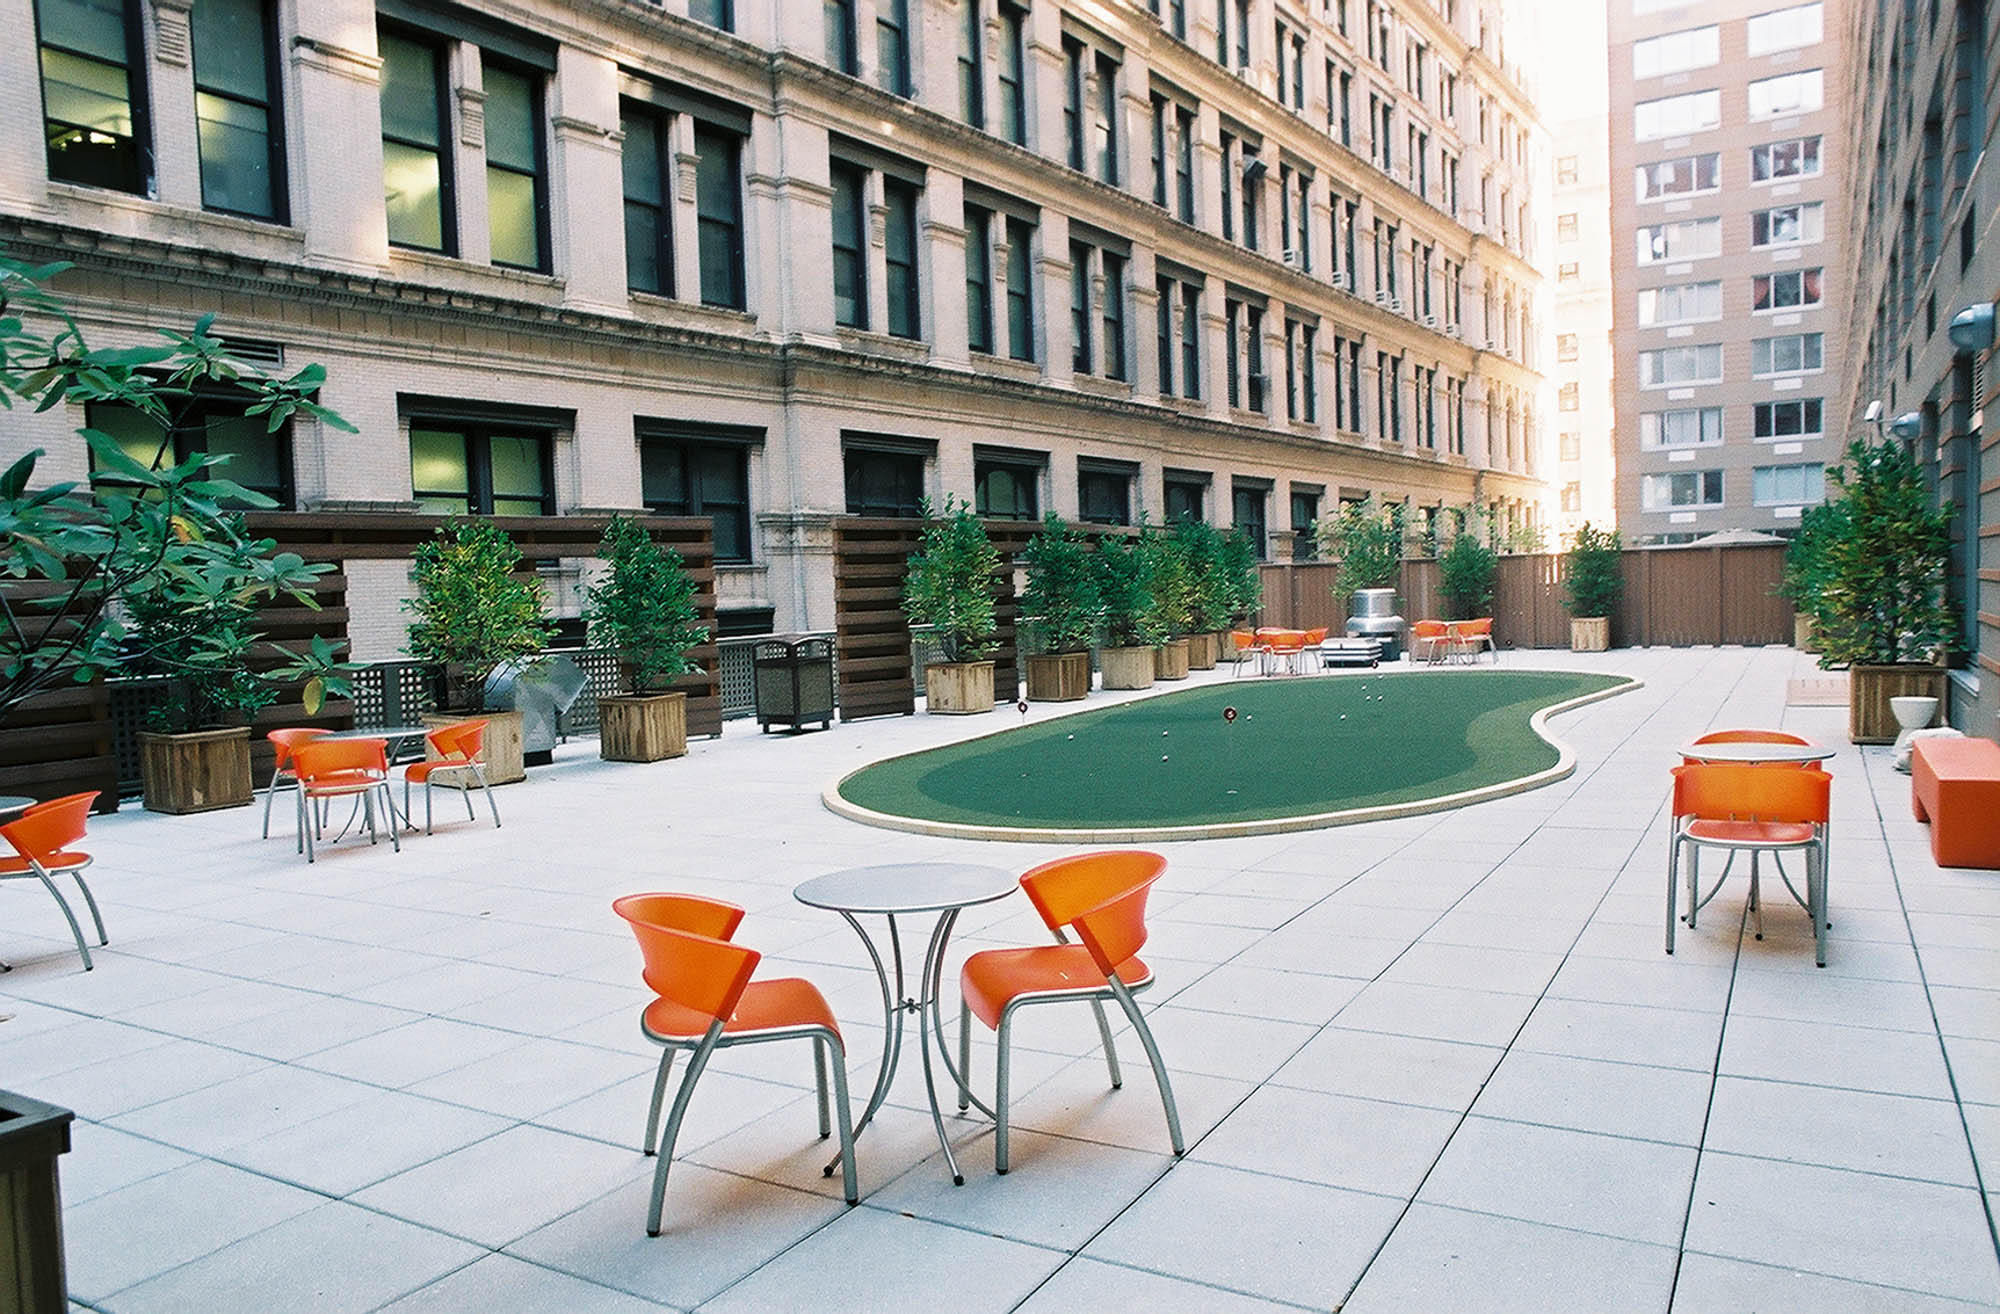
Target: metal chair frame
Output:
{"points": [[472, 761], [36, 868], [374, 779], [281, 766], [1815, 847]]}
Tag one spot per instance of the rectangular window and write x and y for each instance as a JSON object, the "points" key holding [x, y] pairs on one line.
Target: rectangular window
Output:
{"points": [[842, 50], [481, 469], [1693, 427], [1184, 497], [1104, 122], [1020, 289], [1685, 239], [1786, 289], [1190, 341], [1113, 315], [1798, 418], [1162, 117], [1163, 337], [1079, 307], [517, 202], [1672, 365], [850, 246], [892, 46], [1788, 93], [1682, 177], [1797, 158], [1103, 494], [900, 259], [1680, 303], [94, 94], [416, 164], [238, 124], [1781, 485], [259, 460], [1677, 52], [979, 278], [1569, 396], [1565, 347], [1006, 490], [681, 476], [1565, 228], [1232, 345], [1013, 73], [1248, 512], [1074, 91], [1787, 225], [1791, 353], [883, 483], [1662, 492], [1569, 447], [716, 13], [1229, 164], [1305, 525], [1184, 120], [971, 65], [1253, 332], [1785, 29], [1565, 170], [1677, 116], [645, 160], [718, 190], [1253, 187]]}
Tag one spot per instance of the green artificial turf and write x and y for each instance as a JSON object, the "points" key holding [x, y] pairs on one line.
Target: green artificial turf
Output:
{"points": [[1297, 747]]}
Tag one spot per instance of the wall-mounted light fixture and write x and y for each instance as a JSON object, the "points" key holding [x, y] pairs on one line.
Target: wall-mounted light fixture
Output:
{"points": [[1908, 426], [1873, 413], [1972, 328]]}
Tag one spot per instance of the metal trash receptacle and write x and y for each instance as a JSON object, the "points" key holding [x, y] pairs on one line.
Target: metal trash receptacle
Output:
{"points": [[33, 1135], [540, 689], [792, 678]]}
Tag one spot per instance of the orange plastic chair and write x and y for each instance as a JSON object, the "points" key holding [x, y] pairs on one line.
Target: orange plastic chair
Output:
{"points": [[1313, 639], [343, 768], [1430, 641], [1284, 646], [707, 1002], [1102, 898], [1472, 635], [1751, 808], [42, 838], [1243, 648], [284, 741], [461, 750]]}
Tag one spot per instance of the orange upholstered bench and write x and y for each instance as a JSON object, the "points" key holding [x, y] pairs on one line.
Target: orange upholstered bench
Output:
{"points": [[1955, 785]]}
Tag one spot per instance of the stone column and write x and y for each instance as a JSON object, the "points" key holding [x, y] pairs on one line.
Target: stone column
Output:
{"points": [[799, 289], [586, 184], [468, 146], [337, 195], [1052, 274], [941, 265], [169, 75]]}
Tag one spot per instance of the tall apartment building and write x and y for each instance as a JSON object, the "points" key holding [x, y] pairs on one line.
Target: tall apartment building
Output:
{"points": [[1922, 245], [774, 262], [1583, 368], [1729, 177]]}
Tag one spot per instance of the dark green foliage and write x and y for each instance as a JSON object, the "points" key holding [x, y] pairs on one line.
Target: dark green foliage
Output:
{"points": [[1125, 583], [472, 612], [1466, 570], [1210, 592], [1883, 560], [644, 607], [1366, 538], [1062, 587], [1592, 574], [1805, 583], [1174, 583], [1244, 583], [950, 584]]}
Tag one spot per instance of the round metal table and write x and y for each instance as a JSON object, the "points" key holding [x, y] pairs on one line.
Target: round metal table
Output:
{"points": [[897, 890], [1757, 752], [13, 803]]}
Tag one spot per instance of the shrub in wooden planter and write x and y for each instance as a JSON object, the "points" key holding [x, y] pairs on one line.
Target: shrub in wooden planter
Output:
{"points": [[950, 587], [1170, 660], [1204, 651], [1126, 668], [199, 771], [1061, 677], [958, 688], [1062, 595], [644, 609]]}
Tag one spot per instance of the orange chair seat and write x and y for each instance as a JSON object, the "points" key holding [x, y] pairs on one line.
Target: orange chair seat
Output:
{"points": [[338, 781], [15, 865], [1748, 833], [424, 770], [994, 978], [765, 1006], [1955, 785]]}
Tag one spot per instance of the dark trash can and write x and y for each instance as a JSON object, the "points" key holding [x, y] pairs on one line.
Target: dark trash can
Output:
{"points": [[792, 676], [32, 1136]]}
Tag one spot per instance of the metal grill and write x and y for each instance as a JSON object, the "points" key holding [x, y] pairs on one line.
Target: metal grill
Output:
{"points": [[131, 702], [393, 693]]}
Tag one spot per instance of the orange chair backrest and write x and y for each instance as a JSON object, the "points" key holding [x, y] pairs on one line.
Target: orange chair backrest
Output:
{"points": [[286, 742], [317, 757], [1066, 888], [1729, 791], [49, 828], [697, 972], [1429, 629], [1115, 930], [1752, 737], [1285, 640], [461, 741], [1315, 637], [1472, 629], [683, 912], [1244, 640]]}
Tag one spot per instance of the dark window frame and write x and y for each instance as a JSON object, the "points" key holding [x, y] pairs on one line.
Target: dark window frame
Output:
{"points": [[139, 181], [478, 495], [1026, 473], [442, 148], [648, 126], [688, 444], [908, 496], [538, 123], [273, 108], [190, 437], [850, 201], [901, 252], [736, 295]]}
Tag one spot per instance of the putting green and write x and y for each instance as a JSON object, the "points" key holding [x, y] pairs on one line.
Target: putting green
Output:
{"points": [[1300, 753]]}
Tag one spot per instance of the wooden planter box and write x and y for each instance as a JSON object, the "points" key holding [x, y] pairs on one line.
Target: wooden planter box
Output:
{"points": [[197, 772], [1590, 634], [642, 727], [1869, 689], [958, 688], [1170, 660], [503, 742], [1204, 651], [1060, 677], [1125, 668]]}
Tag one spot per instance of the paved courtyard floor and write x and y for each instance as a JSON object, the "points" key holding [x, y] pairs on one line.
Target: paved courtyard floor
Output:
{"points": [[1434, 1064]]}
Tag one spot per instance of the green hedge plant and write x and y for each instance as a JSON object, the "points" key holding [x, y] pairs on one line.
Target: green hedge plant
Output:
{"points": [[950, 582], [643, 607], [472, 612], [1466, 570], [1061, 592], [1591, 572], [1884, 560]]}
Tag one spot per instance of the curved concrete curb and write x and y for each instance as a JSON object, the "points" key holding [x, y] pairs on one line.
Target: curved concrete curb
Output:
{"points": [[1564, 766]]}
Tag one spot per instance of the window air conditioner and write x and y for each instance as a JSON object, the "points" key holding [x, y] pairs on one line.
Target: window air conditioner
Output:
{"points": [[1430, 321], [1343, 280], [1291, 258]]}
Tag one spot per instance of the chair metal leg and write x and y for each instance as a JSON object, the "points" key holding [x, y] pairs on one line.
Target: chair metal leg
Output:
{"points": [[389, 806], [1816, 880], [427, 805], [696, 1063], [1131, 1008], [659, 1096], [465, 797], [1110, 1050], [1000, 1095], [1757, 893], [819, 1070], [487, 789], [270, 792], [1694, 885], [964, 1054], [308, 827], [95, 916], [1673, 886], [68, 916], [845, 1120]]}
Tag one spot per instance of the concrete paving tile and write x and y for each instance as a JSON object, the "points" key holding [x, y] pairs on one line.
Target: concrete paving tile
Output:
{"points": [[246, 1108], [723, 1102], [1828, 1054], [500, 1282], [1216, 1044], [321, 1023], [1259, 992], [1868, 1228], [1709, 1284], [1859, 1130], [1623, 1033], [115, 1086], [1057, 1193], [1655, 982], [405, 1055], [499, 1189], [312, 1255], [1078, 1102], [102, 1159], [1963, 1012], [1975, 1068], [1474, 1017], [1506, 971], [1636, 1190], [1805, 994], [1309, 949], [1439, 1074], [1270, 1237], [1090, 1285], [386, 1133], [1469, 1263], [531, 1079], [1615, 1099], [1336, 1140]]}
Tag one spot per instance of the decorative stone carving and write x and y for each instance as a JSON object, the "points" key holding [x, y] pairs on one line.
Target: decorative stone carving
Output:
{"points": [[472, 117], [170, 31]]}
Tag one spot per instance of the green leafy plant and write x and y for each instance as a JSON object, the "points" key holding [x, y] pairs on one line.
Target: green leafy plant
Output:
{"points": [[1806, 583], [644, 607], [82, 563], [1125, 583], [950, 581], [1210, 589], [1366, 539], [1062, 587], [1466, 571], [1174, 586], [472, 612], [1884, 559], [1591, 572], [1242, 578]]}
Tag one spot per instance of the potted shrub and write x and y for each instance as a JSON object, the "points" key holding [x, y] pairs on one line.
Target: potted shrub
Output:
{"points": [[1210, 591], [1062, 595], [473, 613], [1173, 603], [1882, 609], [1125, 584], [1466, 571], [1366, 539], [1594, 579], [1242, 578], [1805, 584], [644, 610], [950, 588]]}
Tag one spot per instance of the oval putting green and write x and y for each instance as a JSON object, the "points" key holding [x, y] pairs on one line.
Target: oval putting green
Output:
{"points": [[1299, 754]]}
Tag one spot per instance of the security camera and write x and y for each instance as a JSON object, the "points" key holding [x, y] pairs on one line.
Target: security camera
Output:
{"points": [[1873, 413]]}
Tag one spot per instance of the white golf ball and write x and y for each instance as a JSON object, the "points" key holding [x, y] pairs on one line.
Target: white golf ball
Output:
{"points": [[1163, 757]]}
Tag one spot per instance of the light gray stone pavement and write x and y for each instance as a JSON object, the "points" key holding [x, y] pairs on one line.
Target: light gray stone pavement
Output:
{"points": [[1431, 1064]]}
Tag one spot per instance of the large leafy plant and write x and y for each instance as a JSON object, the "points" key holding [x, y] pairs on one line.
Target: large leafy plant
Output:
{"points": [[1366, 539], [1125, 582], [1242, 577], [1210, 588], [144, 568], [1174, 586], [472, 611], [950, 582], [1884, 562], [1592, 574], [1806, 583], [1062, 587], [1466, 570], [644, 607]]}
